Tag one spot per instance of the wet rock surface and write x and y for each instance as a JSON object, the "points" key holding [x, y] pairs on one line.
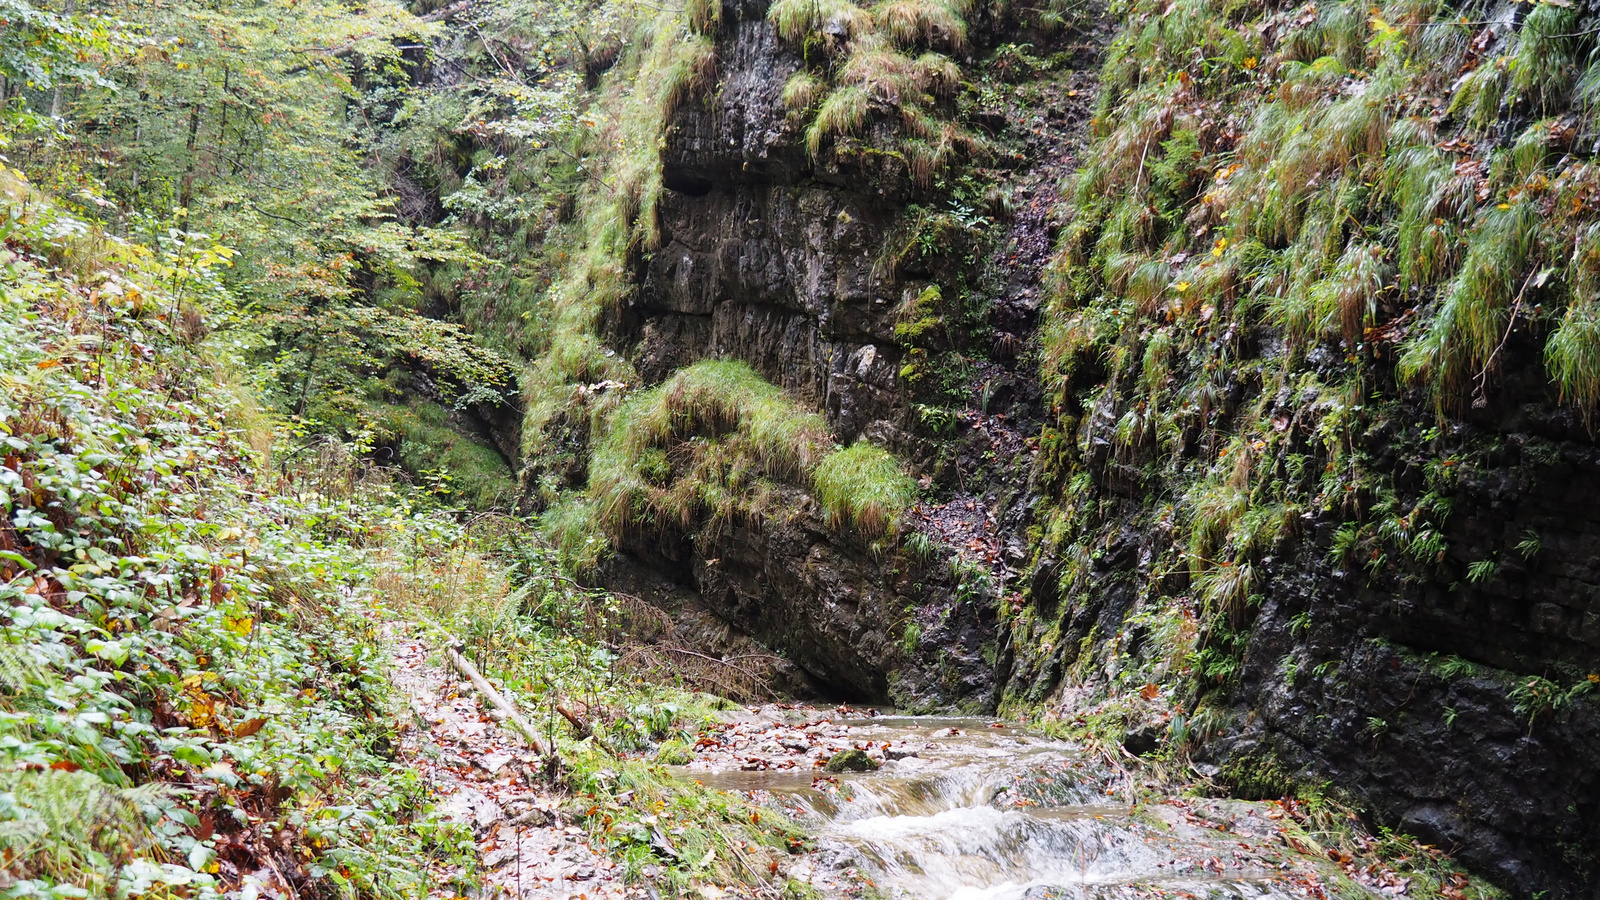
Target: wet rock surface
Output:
{"points": [[1409, 688]]}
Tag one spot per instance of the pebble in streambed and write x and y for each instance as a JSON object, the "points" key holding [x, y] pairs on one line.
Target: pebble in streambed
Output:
{"points": [[974, 809]]}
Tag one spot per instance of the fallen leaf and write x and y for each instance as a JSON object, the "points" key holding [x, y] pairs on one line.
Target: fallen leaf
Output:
{"points": [[249, 727]]}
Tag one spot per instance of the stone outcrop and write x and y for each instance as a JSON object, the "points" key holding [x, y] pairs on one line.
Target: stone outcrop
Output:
{"points": [[771, 258]]}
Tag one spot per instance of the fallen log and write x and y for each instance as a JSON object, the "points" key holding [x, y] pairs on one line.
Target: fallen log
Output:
{"points": [[499, 702]]}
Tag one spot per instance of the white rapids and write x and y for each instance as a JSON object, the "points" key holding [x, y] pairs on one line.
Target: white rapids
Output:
{"points": [[987, 811]]}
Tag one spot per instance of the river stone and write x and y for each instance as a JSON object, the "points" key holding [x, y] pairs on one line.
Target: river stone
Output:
{"points": [[851, 761]]}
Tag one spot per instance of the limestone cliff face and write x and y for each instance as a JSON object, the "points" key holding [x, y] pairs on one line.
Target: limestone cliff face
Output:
{"points": [[768, 258], [1403, 682], [773, 260]]}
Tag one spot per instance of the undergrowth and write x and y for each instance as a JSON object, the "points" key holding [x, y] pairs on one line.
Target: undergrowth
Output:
{"points": [[189, 646], [193, 660]]}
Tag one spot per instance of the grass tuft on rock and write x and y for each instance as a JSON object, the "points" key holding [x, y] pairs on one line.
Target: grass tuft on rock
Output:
{"points": [[866, 487], [717, 442]]}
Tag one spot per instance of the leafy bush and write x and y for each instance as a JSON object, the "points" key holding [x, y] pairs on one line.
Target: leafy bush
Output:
{"points": [[179, 639]]}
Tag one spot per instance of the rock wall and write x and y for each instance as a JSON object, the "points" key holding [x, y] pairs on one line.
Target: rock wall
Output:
{"points": [[1441, 696], [775, 259], [767, 258], [1510, 786], [1346, 548]]}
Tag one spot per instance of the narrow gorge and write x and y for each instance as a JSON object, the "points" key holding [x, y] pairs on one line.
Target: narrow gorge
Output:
{"points": [[1217, 340], [1162, 432]]}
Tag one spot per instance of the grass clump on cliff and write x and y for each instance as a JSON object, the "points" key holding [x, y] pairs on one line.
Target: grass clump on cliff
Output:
{"points": [[707, 444], [864, 485], [715, 442], [890, 59]]}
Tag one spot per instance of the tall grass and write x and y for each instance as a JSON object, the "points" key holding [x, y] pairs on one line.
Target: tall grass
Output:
{"points": [[923, 23]]}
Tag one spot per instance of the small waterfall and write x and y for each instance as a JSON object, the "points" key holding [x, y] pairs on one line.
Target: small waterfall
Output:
{"points": [[963, 809]]}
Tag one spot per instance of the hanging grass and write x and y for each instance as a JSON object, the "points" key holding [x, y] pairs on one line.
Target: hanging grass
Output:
{"points": [[1346, 302], [1545, 66], [923, 23], [1572, 355], [843, 113], [864, 486], [1472, 318], [714, 443], [874, 69], [802, 91], [797, 19], [705, 16]]}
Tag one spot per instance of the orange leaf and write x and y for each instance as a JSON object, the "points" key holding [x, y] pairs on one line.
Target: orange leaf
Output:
{"points": [[65, 765], [249, 727]]}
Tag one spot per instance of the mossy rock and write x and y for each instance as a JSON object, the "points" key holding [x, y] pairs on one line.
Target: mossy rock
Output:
{"points": [[851, 761]]}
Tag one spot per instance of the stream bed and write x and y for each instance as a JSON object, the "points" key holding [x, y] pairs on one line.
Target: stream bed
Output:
{"points": [[977, 809]]}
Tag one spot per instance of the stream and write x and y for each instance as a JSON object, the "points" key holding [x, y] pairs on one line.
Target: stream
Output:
{"points": [[976, 809]]}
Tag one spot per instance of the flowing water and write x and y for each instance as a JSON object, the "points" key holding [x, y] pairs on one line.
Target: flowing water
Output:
{"points": [[984, 811]]}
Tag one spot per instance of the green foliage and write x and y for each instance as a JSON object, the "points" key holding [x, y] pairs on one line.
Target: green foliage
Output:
{"points": [[166, 607], [1536, 696], [1572, 355], [671, 63], [842, 113], [864, 485], [924, 23], [43, 48], [802, 91], [260, 122], [455, 466], [734, 433]]}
